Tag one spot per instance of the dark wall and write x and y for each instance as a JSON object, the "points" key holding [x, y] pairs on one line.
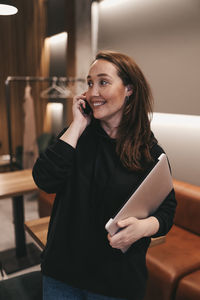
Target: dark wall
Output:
{"points": [[56, 16]]}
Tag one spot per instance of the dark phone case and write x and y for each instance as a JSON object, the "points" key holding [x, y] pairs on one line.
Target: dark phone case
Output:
{"points": [[87, 108]]}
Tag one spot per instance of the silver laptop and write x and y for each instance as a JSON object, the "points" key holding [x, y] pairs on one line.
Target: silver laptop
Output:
{"points": [[148, 196]]}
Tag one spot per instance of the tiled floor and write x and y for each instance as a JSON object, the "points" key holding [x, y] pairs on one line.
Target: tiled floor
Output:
{"points": [[7, 239]]}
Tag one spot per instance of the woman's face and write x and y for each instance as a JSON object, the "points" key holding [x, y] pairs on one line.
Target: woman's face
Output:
{"points": [[106, 92]]}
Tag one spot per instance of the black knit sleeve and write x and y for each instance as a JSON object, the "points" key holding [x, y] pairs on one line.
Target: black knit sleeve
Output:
{"points": [[165, 214], [54, 166], [166, 211]]}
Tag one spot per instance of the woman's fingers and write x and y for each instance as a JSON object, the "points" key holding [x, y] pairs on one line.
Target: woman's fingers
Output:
{"points": [[129, 233], [79, 97], [126, 222], [79, 103]]}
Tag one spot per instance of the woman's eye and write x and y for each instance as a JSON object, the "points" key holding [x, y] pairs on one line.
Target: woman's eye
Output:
{"points": [[89, 83], [103, 82]]}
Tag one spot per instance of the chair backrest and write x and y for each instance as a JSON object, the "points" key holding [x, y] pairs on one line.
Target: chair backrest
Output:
{"points": [[45, 203], [188, 209]]}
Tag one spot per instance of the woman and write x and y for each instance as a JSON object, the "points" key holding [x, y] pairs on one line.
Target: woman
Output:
{"points": [[93, 167]]}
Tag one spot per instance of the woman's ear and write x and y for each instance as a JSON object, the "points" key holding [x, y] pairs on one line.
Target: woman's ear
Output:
{"points": [[129, 89]]}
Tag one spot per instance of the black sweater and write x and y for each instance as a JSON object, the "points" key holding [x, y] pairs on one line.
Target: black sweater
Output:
{"points": [[91, 185]]}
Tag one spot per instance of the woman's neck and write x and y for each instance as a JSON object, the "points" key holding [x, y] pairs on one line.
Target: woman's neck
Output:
{"points": [[110, 129]]}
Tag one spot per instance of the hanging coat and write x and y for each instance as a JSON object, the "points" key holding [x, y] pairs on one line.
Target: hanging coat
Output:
{"points": [[30, 148]]}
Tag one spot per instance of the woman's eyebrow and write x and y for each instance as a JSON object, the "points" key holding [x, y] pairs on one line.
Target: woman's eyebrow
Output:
{"points": [[100, 75]]}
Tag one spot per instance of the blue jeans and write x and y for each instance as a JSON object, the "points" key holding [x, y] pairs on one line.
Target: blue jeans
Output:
{"points": [[57, 290]]}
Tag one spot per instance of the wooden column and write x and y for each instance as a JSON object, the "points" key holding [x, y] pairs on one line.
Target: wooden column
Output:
{"points": [[79, 52], [22, 54]]}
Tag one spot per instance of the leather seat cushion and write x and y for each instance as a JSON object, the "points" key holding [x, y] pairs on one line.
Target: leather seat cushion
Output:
{"points": [[189, 287], [170, 261]]}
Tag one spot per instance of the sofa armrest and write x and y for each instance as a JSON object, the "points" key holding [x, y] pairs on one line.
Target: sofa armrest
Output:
{"points": [[188, 208]]}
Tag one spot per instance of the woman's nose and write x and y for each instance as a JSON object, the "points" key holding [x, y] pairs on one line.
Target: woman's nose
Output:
{"points": [[94, 91]]}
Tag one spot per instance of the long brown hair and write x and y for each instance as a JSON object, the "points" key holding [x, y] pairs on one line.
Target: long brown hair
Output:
{"points": [[134, 136]]}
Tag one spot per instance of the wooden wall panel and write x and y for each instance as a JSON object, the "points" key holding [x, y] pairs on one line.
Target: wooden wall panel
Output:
{"points": [[22, 53]]}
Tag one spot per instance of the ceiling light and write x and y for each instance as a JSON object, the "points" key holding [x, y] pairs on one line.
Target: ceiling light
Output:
{"points": [[7, 8]]}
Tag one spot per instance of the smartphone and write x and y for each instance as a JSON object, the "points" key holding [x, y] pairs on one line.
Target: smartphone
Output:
{"points": [[87, 109]]}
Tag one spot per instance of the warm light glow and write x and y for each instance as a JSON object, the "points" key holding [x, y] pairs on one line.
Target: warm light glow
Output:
{"points": [[109, 3], [56, 108], [53, 117], [58, 38], [176, 120], [6, 10]]}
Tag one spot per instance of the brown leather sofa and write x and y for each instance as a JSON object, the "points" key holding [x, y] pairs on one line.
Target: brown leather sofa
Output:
{"points": [[189, 287], [45, 203], [174, 266]]}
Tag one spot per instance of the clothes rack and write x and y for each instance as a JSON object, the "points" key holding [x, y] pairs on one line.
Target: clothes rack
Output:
{"points": [[28, 79]]}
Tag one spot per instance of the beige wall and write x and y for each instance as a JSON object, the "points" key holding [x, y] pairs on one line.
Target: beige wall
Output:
{"points": [[163, 36], [164, 39]]}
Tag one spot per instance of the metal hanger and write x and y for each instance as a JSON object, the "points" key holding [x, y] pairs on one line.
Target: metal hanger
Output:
{"points": [[55, 91]]}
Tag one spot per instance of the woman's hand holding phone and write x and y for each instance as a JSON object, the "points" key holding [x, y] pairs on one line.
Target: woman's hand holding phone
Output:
{"points": [[80, 121], [81, 111], [86, 109]]}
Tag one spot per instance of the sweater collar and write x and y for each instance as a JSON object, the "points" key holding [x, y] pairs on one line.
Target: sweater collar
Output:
{"points": [[96, 125]]}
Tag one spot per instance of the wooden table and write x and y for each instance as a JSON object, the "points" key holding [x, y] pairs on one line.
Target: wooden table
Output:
{"points": [[15, 184], [38, 230]]}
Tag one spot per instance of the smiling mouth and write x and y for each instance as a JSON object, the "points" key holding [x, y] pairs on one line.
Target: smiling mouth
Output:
{"points": [[98, 103]]}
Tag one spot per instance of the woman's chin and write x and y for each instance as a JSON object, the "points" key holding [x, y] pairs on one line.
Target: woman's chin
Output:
{"points": [[98, 115]]}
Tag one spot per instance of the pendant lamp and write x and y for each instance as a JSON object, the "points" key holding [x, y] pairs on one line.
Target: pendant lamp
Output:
{"points": [[7, 8]]}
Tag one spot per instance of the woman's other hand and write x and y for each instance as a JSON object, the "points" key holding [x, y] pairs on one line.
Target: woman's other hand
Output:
{"points": [[133, 229]]}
